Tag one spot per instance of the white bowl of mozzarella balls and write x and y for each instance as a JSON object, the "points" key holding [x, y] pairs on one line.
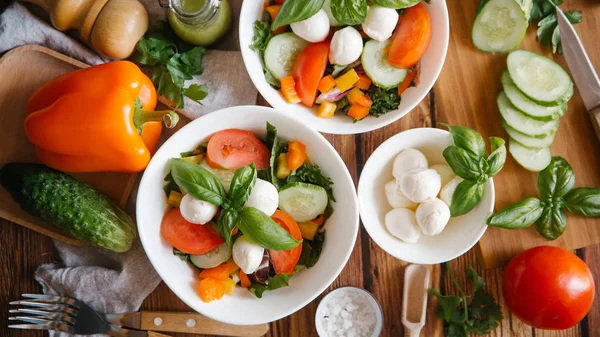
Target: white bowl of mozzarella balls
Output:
{"points": [[404, 193]]}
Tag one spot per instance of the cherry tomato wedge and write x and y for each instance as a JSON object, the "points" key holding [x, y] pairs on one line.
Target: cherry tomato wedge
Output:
{"points": [[188, 237], [234, 148], [411, 38], [284, 261], [309, 69]]}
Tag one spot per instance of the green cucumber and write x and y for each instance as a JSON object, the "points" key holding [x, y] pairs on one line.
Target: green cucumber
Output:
{"points": [[500, 25], [521, 122], [302, 201], [528, 141], [72, 206], [539, 78], [533, 160], [380, 71], [281, 54], [213, 258], [527, 106]]}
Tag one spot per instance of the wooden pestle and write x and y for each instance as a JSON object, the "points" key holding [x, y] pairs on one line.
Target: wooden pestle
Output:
{"points": [[113, 27]]}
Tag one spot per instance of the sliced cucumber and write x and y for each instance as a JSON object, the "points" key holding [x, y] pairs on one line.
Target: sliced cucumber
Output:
{"points": [[539, 78], [281, 53], [500, 26], [527, 106], [382, 73], [520, 122], [302, 201], [213, 258], [528, 141], [531, 159]]}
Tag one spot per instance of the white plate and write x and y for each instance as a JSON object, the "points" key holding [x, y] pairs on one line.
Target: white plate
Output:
{"points": [[460, 235], [431, 66], [242, 308]]}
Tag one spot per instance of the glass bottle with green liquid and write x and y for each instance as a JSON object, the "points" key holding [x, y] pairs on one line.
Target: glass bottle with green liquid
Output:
{"points": [[199, 22]]}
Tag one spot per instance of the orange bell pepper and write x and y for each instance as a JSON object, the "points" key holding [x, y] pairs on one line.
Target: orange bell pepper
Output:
{"points": [[96, 119]]}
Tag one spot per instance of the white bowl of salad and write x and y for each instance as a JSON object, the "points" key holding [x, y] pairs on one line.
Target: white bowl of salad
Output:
{"points": [[238, 213], [344, 67]]}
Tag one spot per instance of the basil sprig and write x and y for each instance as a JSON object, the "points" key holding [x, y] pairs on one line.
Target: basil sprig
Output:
{"points": [[296, 10], [349, 12], [555, 184], [467, 158], [204, 185]]}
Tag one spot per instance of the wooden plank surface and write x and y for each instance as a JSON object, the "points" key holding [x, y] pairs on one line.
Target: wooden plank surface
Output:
{"points": [[454, 100]]}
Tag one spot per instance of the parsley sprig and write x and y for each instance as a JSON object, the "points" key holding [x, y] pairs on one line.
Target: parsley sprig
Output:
{"points": [[544, 13]]}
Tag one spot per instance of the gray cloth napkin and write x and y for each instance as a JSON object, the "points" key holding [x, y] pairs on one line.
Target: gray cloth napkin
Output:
{"points": [[109, 282]]}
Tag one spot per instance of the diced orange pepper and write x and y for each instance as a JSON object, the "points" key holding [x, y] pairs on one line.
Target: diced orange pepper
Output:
{"points": [[220, 272], [347, 80], [358, 111], [308, 229], [211, 290], [326, 109], [288, 90], [319, 220], [326, 84], [355, 96], [245, 280], [406, 82], [296, 155], [273, 11], [365, 101], [234, 231], [364, 82]]}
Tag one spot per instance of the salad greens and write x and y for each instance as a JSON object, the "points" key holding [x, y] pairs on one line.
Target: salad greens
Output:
{"points": [[262, 36], [384, 101], [467, 158], [544, 12], [312, 174], [296, 10], [349, 12], [274, 282], [260, 228], [555, 184], [276, 147]]}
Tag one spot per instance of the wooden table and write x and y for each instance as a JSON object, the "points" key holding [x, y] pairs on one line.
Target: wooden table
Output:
{"points": [[466, 84]]}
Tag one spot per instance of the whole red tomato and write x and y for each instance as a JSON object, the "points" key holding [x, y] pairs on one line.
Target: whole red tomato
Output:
{"points": [[548, 288]]}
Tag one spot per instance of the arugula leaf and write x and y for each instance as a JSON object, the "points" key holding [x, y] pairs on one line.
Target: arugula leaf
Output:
{"points": [[349, 12], [275, 282], [548, 33], [312, 174], [384, 101]]}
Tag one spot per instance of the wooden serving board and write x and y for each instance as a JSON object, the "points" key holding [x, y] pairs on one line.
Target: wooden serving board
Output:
{"points": [[475, 106], [22, 71]]}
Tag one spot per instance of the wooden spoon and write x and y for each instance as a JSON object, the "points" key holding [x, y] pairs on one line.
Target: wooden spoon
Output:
{"points": [[414, 299]]}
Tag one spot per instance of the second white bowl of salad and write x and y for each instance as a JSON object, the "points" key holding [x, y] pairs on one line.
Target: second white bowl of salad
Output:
{"points": [[344, 67], [247, 214]]}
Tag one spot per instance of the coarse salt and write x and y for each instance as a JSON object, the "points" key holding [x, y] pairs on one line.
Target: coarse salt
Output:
{"points": [[348, 312]]}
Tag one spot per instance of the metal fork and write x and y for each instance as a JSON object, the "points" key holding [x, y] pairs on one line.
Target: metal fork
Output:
{"points": [[64, 314]]}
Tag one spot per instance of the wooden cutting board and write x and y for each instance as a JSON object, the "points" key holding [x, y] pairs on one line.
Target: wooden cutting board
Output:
{"points": [[22, 71], [470, 100]]}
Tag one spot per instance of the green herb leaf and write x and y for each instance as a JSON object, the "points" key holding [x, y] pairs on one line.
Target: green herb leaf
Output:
{"points": [[171, 185], [484, 313], [395, 4], [316, 248], [448, 305], [463, 165], [275, 282], [384, 101], [312, 174], [349, 12], [242, 184], [466, 196], [552, 223], [519, 215], [196, 92], [556, 180], [583, 201], [261, 229], [478, 281], [228, 219], [276, 148], [548, 31], [296, 10], [183, 256], [468, 140], [497, 158], [197, 181], [335, 70], [262, 35]]}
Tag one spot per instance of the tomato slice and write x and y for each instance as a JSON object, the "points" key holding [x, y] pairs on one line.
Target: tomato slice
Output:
{"points": [[188, 237], [411, 38], [284, 261], [309, 69], [234, 148]]}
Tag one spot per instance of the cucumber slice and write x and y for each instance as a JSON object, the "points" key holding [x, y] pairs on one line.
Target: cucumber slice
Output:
{"points": [[528, 141], [213, 258], [302, 201], [281, 53], [500, 26], [539, 78], [382, 73], [533, 160], [527, 106], [520, 122]]}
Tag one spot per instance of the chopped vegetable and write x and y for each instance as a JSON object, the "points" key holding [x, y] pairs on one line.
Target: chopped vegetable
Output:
{"points": [[309, 69], [296, 155], [229, 286], [211, 290], [347, 80], [364, 82], [333, 95], [188, 237], [174, 199], [355, 96], [308, 229], [312, 174], [384, 101], [406, 83], [234, 148], [411, 38], [326, 84], [288, 90], [283, 171], [284, 261], [221, 272], [326, 109], [358, 112], [244, 280]]}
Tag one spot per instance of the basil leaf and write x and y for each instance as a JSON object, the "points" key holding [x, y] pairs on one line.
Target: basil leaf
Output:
{"points": [[557, 179], [461, 163], [468, 140], [583, 201], [242, 184], [197, 181], [552, 223], [275, 282], [227, 221], [261, 229], [276, 148], [466, 196], [296, 10], [497, 158], [520, 215], [349, 12], [396, 4]]}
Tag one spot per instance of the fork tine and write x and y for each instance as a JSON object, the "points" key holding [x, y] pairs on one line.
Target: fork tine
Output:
{"points": [[47, 306], [45, 326], [57, 316], [30, 319], [53, 299]]}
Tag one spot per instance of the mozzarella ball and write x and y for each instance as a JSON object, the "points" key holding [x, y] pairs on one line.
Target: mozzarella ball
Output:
{"points": [[264, 197], [433, 216], [313, 29], [420, 185], [380, 22], [346, 46], [395, 196], [247, 254], [197, 211], [407, 160], [333, 22], [444, 171], [448, 190], [402, 223]]}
